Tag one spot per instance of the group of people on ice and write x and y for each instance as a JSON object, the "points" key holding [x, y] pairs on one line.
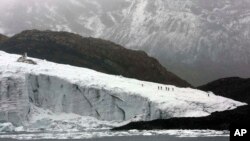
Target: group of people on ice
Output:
{"points": [[161, 88], [170, 89], [166, 88]]}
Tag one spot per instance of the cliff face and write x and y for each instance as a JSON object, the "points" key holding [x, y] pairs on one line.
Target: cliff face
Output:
{"points": [[97, 54]]}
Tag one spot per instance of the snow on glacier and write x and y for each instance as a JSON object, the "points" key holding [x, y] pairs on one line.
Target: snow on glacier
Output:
{"points": [[47, 93]]}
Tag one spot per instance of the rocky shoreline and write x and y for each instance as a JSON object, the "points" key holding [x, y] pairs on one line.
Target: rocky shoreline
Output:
{"points": [[216, 121]]}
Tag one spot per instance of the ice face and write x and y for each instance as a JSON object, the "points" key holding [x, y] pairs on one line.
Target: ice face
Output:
{"points": [[73, 90], [14, 103], [59, 96]]}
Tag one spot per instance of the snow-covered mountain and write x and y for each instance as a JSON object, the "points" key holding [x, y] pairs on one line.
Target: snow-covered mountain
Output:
{"points": [[199, 40], [33, 95]]}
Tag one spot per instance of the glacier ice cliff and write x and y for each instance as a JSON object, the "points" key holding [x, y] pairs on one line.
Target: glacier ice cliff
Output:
{"points": [[68, 89]]}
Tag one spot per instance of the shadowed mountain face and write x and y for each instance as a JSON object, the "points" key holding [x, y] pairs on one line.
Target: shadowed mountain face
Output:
{"points": [[234, 88], [97, 54], [199, 40], [2, 38]]}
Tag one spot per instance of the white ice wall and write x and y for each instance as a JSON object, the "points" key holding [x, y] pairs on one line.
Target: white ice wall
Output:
{"points": [[59, 95], [67, 89], [14, 103]]}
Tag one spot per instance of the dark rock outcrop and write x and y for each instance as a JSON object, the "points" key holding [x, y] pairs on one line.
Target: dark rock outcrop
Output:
{"points": [[97, 54], [235, 88]]}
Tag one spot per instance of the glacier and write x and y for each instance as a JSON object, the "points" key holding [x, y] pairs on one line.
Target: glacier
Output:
{"points": [[49, 95]]}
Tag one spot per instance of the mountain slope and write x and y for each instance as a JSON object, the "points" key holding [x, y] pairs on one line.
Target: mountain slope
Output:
{"points": [[2, 38], [199, 40], [67, 89], [97, 54], [234, 88]]}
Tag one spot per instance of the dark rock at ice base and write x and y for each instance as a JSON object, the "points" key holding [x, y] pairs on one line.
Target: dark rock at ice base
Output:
{"points": [[216, 121]]}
